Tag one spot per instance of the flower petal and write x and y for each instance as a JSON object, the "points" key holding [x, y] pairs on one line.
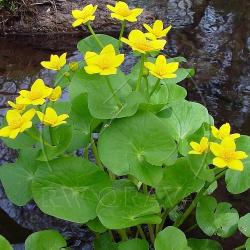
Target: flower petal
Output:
{"points": [[147, 27], [158, 25], [236, 165], [108, 71], [235, 136], [118, 60], [165, 31], [225, 129], [91, 57], [28, 115], [76, 13], [219, 162], [13, 133], [62, 117], [150, 66], [38, 84], [195, 146], [158, 44], [12, 114], [240, 155], [25, 125], [5, 131], [229, 143], [172, 67], [108, 50], [77, 22], [92, 69], [215, 148]]}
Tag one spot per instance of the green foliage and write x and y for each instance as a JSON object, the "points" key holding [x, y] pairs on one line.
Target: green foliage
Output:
{"points": [[5, 244], [151, 153]]}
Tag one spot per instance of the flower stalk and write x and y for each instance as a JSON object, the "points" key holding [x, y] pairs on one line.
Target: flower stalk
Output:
{"points": [[141, 72], [94, 35]]}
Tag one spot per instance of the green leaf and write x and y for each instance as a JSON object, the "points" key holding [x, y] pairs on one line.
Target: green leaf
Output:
{"points": [[237, 181], [61, 138], [83, 82], [124, 184], [247, 245], [48, 239], [137, 244], [90, 44], [178, 182], [176, 59], [17, 177], [183, 118], [198, 244], [127, 209], [244, 225], [70, 188], [102, 104], [96, 226], [5, 244], [104, 242], [82, 120], [215, 218], [143, 141], [170, 238], [181, 75]]}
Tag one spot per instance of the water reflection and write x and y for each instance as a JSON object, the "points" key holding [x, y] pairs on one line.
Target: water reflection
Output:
{"points": [[212, 35]]}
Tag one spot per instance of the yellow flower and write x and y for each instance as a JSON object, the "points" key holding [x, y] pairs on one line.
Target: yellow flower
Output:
{"points": [[138, 41], [55, 63], [161, 69], [17, 106], [55, 94], [50, 118], [223, 132], [226, 155], [36, 95], [201, 148], [17, 123], [157, 31], [122, 12], [84, 15], [105, 63]]}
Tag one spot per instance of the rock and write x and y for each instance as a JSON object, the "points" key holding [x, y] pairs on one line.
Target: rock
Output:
{"points": [[55, 17]]}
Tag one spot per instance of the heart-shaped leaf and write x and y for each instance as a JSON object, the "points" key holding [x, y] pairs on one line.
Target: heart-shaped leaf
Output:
{"points": [[5, 244], [198, 244], [137, 244], [70, 188], [244, 225], [127, 209]]}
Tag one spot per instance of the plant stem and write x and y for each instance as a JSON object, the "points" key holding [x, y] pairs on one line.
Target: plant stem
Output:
{"points": [[112, 176], [86, 152], [65, 77], [95, 152], [122, 234], [121, 33], [113, 92], [146, 80], [94, 35], [192, 228], [141, 72], [155, 86], [141, 232], [240, 247], [181, 218], [151, 233], [50, 134], [37, 139]]}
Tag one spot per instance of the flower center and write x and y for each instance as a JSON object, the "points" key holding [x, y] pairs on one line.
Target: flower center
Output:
{"points": [[142, 44], [16, 123], [227, 154], [161, 70], [157, 33], [124, 12], [85, 14], [51, 119], [35, 94], [55, 63], [104, 62]]}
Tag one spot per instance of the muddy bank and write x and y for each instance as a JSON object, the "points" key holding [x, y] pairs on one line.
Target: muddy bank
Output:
{"points": [[55, 17]]}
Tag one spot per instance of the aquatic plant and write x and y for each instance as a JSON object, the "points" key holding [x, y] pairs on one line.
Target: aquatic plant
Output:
{"points": [[154, 149]]}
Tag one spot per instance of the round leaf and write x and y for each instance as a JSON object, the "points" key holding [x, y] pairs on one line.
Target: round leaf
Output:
{"points": [[244, 225], [5, 244], [17, 177], [184, 118], [197, 244], [218, 219], [170, 238], [48, 239], [178, 182], [70, 188], [239, 181], [137, 244], [127, 209], [143, 141]]}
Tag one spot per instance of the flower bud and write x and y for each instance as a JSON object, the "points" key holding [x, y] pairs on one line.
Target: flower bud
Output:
{"points": [[67, 74], [55, 94], [73, 66], [145, 73]]}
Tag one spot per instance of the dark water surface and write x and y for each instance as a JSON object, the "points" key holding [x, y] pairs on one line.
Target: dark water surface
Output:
{"points": [[214, 38]]}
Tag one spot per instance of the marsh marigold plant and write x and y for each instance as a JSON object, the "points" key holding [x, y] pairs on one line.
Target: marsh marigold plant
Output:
{"points": [[144, 149]]}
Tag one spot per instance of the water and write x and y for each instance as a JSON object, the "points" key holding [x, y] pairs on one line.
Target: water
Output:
{"points": [[214, 38]]}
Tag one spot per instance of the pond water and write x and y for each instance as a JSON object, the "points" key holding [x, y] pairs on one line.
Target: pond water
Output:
{"points": [[214, 38]]}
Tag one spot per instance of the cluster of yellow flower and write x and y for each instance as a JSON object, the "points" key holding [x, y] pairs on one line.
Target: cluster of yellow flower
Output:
{"points": [[107, 62], [18, 122], [225, 154]]}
